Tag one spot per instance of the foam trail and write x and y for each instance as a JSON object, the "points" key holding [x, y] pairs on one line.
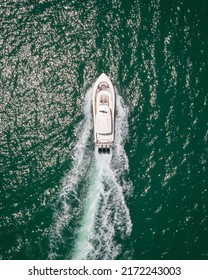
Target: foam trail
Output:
{"points": [[83, 245], [105, 213], [65, 212], [103, 220]]}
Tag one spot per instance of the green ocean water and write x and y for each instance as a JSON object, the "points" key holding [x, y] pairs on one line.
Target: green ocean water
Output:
{"points": [[58, 198]]}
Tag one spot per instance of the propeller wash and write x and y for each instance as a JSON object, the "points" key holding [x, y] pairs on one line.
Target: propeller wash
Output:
{"points": [[91, 218]]}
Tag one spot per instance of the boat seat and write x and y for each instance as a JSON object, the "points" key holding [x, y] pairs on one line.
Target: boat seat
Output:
{"points": [[103, 86]]}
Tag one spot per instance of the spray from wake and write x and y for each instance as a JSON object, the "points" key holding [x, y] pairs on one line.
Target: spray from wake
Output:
{"points": [[92, 219]]}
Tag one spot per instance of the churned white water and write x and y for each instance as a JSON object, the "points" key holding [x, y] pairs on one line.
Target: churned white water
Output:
{"points": [[104, 216]]}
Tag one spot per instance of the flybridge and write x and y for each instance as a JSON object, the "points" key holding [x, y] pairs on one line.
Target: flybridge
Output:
{"points": [[103, 102]]}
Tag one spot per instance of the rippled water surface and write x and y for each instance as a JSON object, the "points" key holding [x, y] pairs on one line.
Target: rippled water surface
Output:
{"points": [[59, 198]]}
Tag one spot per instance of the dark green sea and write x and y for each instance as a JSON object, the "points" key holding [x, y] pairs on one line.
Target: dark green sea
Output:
{"points": [[59, 199]]}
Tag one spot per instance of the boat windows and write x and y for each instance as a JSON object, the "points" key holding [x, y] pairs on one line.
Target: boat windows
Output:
{"points": [[104, 99]]}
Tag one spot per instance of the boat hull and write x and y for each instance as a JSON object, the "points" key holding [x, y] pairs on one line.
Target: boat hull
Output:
{"points": [[103, 102]]}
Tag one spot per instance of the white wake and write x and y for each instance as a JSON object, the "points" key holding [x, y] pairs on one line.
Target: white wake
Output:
{"points": [[104, 220]]}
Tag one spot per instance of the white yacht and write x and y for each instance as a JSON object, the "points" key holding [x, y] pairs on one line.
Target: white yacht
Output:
{"points": [[103, 102]]}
